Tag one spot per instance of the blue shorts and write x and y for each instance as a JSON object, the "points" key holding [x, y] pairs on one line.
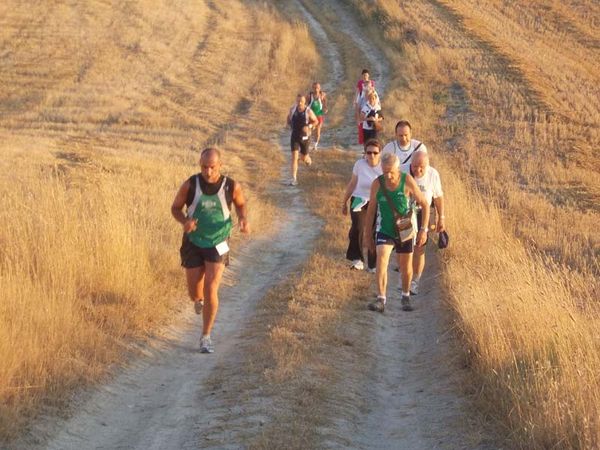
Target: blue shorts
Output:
{"points": [[401, 247]]}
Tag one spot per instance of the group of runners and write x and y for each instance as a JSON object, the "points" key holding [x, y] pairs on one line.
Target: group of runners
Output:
{"points": [[389, 198]]}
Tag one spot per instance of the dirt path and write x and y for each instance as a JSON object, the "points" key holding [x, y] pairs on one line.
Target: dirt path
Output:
{"points": [[159, 400], [165, 399]]}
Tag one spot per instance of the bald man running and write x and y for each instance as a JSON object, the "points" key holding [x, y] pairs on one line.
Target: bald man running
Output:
{"points": [[207, 198]]}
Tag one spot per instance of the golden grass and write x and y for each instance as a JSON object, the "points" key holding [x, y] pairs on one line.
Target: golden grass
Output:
{"points": [[104, 111], [514, 142]]}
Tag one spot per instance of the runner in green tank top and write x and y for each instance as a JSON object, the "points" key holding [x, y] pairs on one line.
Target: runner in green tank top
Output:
{"points": [[317, 101], [399, 187], [206, 226]]}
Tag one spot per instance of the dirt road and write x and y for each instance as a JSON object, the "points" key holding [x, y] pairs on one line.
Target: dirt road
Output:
{"points": [[411, 397]]}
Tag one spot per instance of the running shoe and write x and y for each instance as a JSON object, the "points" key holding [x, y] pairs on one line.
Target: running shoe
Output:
{"points": [[405, 301], [357, 264], [414, 287], [378, 305], [198, 304], [293, 182], [206, 345]]}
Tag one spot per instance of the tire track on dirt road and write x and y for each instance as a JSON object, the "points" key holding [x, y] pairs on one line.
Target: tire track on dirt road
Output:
{"points": [[413, 396]]}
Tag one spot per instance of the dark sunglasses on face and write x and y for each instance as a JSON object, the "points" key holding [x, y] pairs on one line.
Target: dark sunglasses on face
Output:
{"points": [[371, 153]]}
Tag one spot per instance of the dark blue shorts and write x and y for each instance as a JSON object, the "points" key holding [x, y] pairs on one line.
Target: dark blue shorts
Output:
{"points": [[401, 247]]}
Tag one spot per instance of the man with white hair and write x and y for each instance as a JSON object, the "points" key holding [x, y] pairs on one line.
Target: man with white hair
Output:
{"points": [[389, 198], [404, 146], [428, 180]]}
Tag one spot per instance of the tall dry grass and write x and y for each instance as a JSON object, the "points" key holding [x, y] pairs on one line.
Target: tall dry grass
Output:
{"points": [[510, 114], [103, 111]]}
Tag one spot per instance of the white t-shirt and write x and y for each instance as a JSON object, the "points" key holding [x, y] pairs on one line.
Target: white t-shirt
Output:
{"points": [[365, 174], [430, 184], [404, 154], [366, 109]]}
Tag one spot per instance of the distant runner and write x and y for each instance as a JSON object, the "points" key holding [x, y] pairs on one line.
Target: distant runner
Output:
{"points": [[371, 116], [428, 180], [317, 102], [399, 186], [404, 146], [302, 120], [363, 87], [207, 198]]}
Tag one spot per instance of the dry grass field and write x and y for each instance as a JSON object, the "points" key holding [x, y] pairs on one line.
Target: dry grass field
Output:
{"points": [[104, 107], [103, 110], [506, 95]]}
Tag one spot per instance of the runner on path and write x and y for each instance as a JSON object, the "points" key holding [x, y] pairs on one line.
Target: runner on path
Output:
{"points": [[428, 180], [404, 146], [358, 190], [301, 120], [317, 102], [400, 187], [207, 198]]}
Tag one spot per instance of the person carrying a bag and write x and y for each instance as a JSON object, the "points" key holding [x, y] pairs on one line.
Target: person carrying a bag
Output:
{"points": [[396, 226]]}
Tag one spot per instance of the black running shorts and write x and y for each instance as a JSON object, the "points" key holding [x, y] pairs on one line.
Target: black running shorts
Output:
{"points": [[193, 256], [401, 247], [297, 143]]}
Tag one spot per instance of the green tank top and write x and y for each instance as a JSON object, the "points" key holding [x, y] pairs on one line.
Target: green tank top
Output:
{"points": [[317, 106], [214, 218], [385, 216]]}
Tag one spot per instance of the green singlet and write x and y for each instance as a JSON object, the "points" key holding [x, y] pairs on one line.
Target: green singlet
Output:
{"points": [[385, 216], [214, 218], [316, 105]]}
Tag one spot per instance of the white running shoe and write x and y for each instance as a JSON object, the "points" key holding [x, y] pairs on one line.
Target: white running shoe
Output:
{"points": [[357, 264], [206, 345], [293, 182], [414, 287], [198, 304]]}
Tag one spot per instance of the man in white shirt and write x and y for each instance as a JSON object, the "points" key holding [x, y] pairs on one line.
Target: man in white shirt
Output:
{"points": [[404, 146], [428, 180]]}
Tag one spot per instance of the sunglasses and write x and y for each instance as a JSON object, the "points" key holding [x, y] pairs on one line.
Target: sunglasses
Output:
{"points": [[371, 153]]}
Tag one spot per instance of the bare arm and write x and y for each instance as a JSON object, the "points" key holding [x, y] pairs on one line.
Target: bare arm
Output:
{"points": [[349, 190], [412, 189], [240, 208], [324, 101], [439, 207], [189, 224]]}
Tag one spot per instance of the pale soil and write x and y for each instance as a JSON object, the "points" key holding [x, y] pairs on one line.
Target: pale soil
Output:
{"points": [[405, 382]]}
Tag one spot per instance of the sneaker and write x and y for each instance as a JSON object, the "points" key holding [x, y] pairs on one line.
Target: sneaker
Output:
{"points": [[357, 264], [378, 305], [206, 345], [371, 270], [405, 301], [414, 287], [198, 304], [293, 182]]}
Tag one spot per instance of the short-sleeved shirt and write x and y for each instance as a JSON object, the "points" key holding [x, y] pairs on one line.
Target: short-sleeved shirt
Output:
{"points": [[365, 174], [366, 110], [404, 154], [430, 184]]}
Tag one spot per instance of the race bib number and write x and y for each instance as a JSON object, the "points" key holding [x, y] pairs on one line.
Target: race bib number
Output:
{"points": [[222, 248]]}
